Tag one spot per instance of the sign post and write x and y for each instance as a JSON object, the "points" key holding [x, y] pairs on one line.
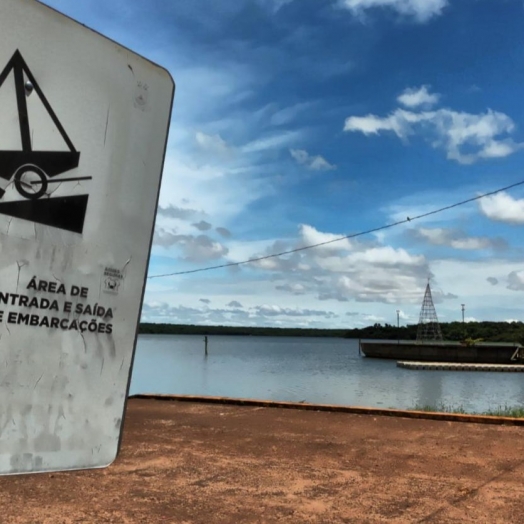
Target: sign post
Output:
{"points": [[83, 131]]}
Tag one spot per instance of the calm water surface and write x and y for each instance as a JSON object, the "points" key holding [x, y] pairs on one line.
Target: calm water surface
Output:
{"points": [[316, 370]]}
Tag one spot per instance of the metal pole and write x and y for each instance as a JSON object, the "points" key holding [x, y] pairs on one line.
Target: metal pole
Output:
{"points": [[205, 342], [463, 308], [398, 326]]}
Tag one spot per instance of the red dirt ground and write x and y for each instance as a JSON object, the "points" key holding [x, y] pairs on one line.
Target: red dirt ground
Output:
{"points": [[207, 463]]}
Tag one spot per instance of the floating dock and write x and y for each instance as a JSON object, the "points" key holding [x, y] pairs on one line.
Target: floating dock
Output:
{"points": [[455, 366]]}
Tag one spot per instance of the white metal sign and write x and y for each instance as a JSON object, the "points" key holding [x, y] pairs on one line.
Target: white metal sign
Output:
{"points": [[83, 129]]}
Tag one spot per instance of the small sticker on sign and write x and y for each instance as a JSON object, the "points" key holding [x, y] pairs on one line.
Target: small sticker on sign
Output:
{"points": [[112, 280]]}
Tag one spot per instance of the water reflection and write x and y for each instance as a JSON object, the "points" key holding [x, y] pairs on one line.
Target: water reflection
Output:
{"points": [[429, 388]]}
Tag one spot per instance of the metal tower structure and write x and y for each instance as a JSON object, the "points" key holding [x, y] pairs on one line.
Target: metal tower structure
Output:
{"points": [[428, 325]]}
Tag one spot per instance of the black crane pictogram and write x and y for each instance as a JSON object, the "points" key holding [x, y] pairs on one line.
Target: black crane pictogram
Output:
{"points": [[33, 171]]}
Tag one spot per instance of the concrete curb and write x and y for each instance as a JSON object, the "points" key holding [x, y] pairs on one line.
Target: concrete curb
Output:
{"points": [[449, 417]]}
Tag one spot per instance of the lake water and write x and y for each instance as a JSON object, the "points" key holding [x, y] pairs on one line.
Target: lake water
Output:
{"points": [[315, 370]]}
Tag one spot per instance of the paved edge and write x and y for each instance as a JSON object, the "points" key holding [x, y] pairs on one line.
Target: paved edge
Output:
{"points": [[429, 415]]}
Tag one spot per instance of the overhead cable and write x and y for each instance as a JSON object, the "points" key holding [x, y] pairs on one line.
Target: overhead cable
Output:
{"points": [[345, 237]]}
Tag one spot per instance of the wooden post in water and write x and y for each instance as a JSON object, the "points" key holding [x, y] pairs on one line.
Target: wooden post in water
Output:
{"points": [[205, 345], [398, 326]]}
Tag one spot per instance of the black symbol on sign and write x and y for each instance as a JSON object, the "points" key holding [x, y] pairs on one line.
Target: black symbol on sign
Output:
{"points": [[112, 284], [32, 172]]}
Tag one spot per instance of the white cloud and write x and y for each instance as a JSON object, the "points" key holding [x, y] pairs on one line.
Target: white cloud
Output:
{"points": [[217, 148], [403, 316], [472, 243], [288, 114], [235, 314], [176, 212], [194, 248], [457, 239], [214, 144], [196, 102], [372, 124], [345, 270], [465, 137], [391, 287], [276, 311], [219, 192], [315, 163], [310, 236], [468, 280], [272, 141], [295, 288], [516, 281], [420, 10], [234, 303], [415, 97], [362, 277], [202, 225], [373, 318], [223, 232], [499, 149], [437, 236], [386, 256], [503, 208]]}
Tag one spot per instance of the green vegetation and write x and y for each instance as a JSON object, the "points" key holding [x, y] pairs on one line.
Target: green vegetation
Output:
{"points": [[514, 412], [442, 408], [179, 329], [470, 333], [471, 341]]}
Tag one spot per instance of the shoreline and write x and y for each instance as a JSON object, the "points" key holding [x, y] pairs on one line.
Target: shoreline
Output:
{"points": [[423, 412]]}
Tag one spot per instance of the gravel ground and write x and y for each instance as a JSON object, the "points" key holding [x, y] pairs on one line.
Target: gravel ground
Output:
{"points": [[206, 463]]}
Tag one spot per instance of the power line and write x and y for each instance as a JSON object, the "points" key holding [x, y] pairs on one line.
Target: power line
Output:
{"points": [[345, 237]]}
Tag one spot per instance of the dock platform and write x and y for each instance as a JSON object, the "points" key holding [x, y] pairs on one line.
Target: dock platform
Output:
{"points": [[457, 366]]}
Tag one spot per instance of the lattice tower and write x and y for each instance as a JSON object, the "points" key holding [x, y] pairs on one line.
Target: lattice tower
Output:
{"points": [[428, 325]]}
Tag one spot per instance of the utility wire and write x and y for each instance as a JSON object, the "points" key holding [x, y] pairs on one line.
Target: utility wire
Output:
{"points": [[345, 237]]}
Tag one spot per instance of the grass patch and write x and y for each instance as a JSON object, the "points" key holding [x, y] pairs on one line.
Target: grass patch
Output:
{"points": [[516, 412], [506, 411]]}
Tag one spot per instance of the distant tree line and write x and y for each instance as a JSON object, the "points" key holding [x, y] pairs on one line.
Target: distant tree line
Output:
{"points": [[184, 329], [487, 331]]}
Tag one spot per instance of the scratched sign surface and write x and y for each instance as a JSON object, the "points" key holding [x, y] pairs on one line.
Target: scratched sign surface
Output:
{"points": [[83, 128]]}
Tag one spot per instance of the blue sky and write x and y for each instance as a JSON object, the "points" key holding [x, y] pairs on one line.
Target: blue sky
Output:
{"points": [[296, 121]]}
